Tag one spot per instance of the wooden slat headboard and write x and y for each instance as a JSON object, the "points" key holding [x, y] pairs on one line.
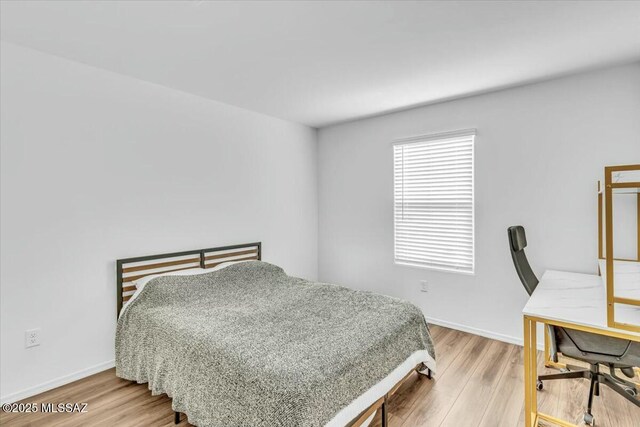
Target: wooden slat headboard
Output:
{"points": [[131, 269]]}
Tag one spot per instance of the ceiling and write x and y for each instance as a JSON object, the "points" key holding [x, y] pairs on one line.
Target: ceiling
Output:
{"points": [[320, 63]]}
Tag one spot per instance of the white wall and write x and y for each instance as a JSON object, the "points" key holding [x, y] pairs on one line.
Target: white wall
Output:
{"points": [[540, 150], [97, 166]]}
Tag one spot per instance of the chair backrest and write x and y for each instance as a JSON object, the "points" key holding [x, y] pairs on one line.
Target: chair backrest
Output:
{"points": [[517, 243]]}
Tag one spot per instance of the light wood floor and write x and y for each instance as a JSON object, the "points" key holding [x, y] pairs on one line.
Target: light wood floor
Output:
{"points": [[478, 383]]}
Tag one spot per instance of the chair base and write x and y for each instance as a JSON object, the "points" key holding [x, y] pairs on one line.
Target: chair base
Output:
{"points": [[624, 388]]}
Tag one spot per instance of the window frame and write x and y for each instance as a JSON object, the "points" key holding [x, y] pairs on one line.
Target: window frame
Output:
{"points": [[438, 137]]}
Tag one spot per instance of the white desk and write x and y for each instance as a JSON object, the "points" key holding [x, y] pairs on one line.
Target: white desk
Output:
{"points": [[581, 299], [576, 301]]}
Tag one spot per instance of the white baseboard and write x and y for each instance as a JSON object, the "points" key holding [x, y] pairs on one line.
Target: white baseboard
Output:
{"points": [[32, 391], [483, 333]]}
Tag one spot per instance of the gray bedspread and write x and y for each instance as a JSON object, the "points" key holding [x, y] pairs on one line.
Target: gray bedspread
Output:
{"points": [[250, 346]]}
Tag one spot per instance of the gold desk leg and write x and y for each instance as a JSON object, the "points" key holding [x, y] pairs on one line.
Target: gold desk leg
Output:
{"points": [[547, 348], [527, 376], [533, 359], [530, 373], [548, 363]]}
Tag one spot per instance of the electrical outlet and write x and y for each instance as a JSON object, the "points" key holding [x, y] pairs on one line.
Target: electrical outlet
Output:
{"points": [[424, 286], [32, 337]]}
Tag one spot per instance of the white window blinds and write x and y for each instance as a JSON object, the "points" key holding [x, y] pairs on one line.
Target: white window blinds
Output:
{"points": [[433, 201]]}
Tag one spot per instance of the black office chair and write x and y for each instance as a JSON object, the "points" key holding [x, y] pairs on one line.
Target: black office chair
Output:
{"points": [[588, 347]]}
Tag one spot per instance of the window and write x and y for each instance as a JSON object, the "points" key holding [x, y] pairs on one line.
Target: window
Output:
{"points": [[433, 201]]}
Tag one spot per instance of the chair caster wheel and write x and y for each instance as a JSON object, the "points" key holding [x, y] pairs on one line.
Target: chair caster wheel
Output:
{"points": [[539, 385], [589, 420]]}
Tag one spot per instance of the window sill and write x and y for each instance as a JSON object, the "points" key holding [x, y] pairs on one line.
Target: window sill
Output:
{"points": [[439, 269]]}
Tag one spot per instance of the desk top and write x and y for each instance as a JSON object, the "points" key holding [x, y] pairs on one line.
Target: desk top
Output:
{"points": [[581, 298]]}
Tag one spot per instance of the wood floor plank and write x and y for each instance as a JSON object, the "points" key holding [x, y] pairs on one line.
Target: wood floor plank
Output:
{"points": [[479, 382], [617, 411], [543, 398], [564, 398], [436, 331], [471, 404], [505, 406], [392, 419], [434, 407], [450, 345]]}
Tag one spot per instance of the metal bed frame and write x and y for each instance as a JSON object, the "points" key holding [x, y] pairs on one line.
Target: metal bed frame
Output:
{"points": [[176, 262]]}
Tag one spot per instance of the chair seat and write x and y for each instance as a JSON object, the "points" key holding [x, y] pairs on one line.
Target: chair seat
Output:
{"points": [[594, 348]]}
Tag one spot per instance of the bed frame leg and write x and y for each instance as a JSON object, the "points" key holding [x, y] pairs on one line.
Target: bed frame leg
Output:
{"points": [[383, 413], [427, 374], [176, 419]]}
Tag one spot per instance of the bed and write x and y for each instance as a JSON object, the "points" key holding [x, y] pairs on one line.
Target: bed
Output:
{"points": [[235, 341]]}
